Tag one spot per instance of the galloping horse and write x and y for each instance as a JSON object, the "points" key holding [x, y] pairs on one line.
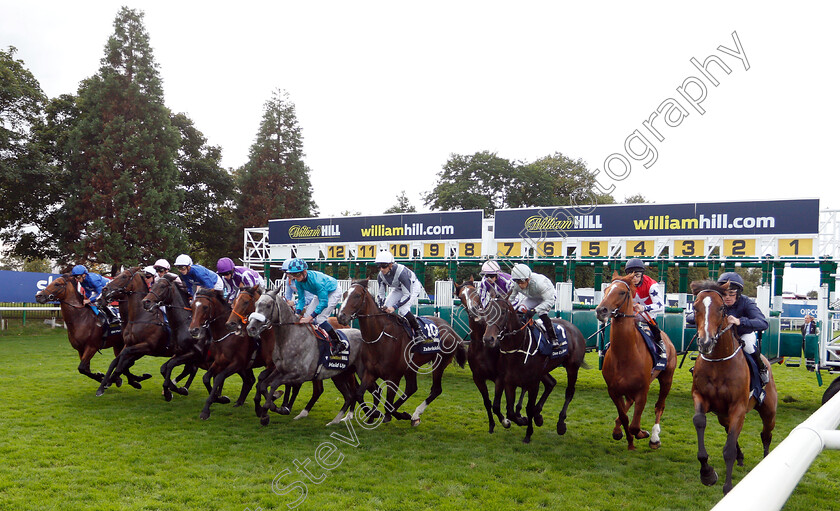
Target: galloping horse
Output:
{"points": [[143, 331], [722, 383], [628, 365], [296, 357], [165, 292], [387, 352], [484, 361], [243, 306], [83, 331], [231, 352], [523, 366]]}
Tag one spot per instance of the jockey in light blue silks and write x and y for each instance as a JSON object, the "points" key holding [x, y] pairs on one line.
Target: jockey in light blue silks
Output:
{"points": [[404, 289], [291, 291], [327, 295], [236, 277], [93, 283], [193, 275]]}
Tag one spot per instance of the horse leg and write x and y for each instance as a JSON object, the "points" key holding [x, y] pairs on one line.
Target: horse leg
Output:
{"points": [[636, 424], [571, 383], [317, 390], [666, 378], [622, 422], [289, 400], [343, 385], [371, 413], [767, 412], [263, 388], [106, 380], [434, 392], [392, 406], [499, 386], [218, 384], [548, 385], [730, 448], [248, 380], [172, 364], [708, 476], [530, 410], [84, 365], [481, 384], [258, 393], [618, 430]]}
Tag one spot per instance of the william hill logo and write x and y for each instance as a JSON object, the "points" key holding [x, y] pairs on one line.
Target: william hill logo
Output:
{"points": [[318, 231], [569, 223]]}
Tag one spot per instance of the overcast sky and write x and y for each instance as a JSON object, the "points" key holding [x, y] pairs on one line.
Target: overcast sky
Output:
{"points": [[386, 91]]}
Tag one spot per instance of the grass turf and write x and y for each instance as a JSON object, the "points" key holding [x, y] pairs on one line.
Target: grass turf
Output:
{"points": [[63, 448]]}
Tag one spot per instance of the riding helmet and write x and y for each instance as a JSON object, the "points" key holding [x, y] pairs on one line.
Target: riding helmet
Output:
{"points": [[520, 272], [224, 264], [297, 266], [162, 263], [384, 257], [490, 268], [79, 270], [634, 265], [183, 260], [285, 266], [733, 278]]}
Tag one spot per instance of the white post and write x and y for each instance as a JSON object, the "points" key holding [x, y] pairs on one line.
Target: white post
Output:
{"points": [[762, 299], [564, 292], [444, 295]]}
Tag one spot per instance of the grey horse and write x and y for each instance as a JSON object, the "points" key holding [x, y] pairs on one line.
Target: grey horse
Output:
{"points": [[296, 355]]}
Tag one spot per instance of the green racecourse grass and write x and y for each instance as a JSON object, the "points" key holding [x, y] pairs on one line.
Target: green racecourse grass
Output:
{"points": [[63, 448]]}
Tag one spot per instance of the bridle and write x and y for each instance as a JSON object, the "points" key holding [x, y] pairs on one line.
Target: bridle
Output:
{"points": [[616, 313], [212, 318], [720, 331], [503, 332], [356, 315], [242, 318], [122, 290]]}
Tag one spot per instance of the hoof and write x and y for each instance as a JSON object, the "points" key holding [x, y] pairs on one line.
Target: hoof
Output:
{"points": [[709, 479], [492, 427], [145, 376], [222, 400], [305, 413], [386, 419], [641, 435], [526, 440], [284, 410], [167, 395], [204, 416], [617, 435], [520, 421], [655, 445], [561, 428], [99, 392], [403, 416], [505, 423], [118, 382], [182, 391], [264, 420], [538, 420], [99, 377], [135, 384], [415, 422], [238, 404]]}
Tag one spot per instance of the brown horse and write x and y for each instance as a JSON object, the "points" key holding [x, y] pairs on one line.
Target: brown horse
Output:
{"points": [[83, 331], [484, 361], [144, 332], [232, 353], [523, 366], [628, 365], [387, 353], [722, 383], [243, 306]]}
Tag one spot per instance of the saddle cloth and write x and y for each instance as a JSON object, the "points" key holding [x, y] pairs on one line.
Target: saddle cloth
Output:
{"points": [[430, 343], [337, 362], [544, 344]]}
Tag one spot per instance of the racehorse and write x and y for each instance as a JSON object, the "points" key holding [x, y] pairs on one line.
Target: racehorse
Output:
{"points": [[164, 292], [144, 332], [231, 352], [722, 383], [387, 353], [243, 306], [83, 331], [296, 357], [483, 361], [523, 366], [628, 365]]}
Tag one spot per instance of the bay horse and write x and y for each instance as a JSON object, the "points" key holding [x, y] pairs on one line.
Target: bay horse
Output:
{"points": [[165, 292], [387, 353], [144, 332], [83, 330], [296, 357], [628, 365], [722, 383], [522, 365], [484, 362], [243, 306], [230, 351]]}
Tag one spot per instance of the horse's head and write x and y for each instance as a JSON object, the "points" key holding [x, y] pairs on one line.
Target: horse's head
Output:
{"points": [[356, 303], [161, 293], [243, 306], [470, 299], [265, 313], [207, 306], [59, 289], [618, 298], [118, 287], [709, 313], [500, 320]]}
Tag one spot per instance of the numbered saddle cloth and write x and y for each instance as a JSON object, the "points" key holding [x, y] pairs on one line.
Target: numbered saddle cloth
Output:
{"points": [[544, 343], [430, 343], [337, 362]]}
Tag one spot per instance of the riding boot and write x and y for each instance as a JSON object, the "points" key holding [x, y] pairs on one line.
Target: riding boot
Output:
{"points": [[337, 344], [418, 334], [549, 330], [762, 369], [102, 317]]}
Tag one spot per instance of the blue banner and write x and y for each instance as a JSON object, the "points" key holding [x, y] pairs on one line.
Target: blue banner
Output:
{"points": [[450, 225], [800, 216], [21, 286]]}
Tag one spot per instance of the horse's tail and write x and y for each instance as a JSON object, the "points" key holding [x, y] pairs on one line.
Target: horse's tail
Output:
{"points": [[584, 365], [461, 355]]}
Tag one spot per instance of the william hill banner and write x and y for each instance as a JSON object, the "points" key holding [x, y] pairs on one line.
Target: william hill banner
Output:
{"points": [[451, 225], [800, 216]]}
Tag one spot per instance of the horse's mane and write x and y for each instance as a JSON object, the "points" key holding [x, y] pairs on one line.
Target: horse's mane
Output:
{"points": [[250, 289], [706, 285], [363, 283], [209, 292]]}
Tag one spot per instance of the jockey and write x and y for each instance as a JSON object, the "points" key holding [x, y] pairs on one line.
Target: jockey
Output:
{"points": [[745, 314], [494, 283], [291, 290], [193, 275], [92, 283], [150, 275], [327, 295], [162, 267], [648, 299], [236, 277], [539, 297], [404, 288]]}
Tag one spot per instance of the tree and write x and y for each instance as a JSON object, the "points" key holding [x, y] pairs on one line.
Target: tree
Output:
{"points": [[812, 295], [402, 205], [554, 180], [24, 176], [122, 199], [209, 196], [274, 183], [480, 181], [636, 199]]}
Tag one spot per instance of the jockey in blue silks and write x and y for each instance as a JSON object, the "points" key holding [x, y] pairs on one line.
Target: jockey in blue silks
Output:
{"points": [[236, 277], [291, 290], [327, 295], [193, 275], [92, 283]]}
